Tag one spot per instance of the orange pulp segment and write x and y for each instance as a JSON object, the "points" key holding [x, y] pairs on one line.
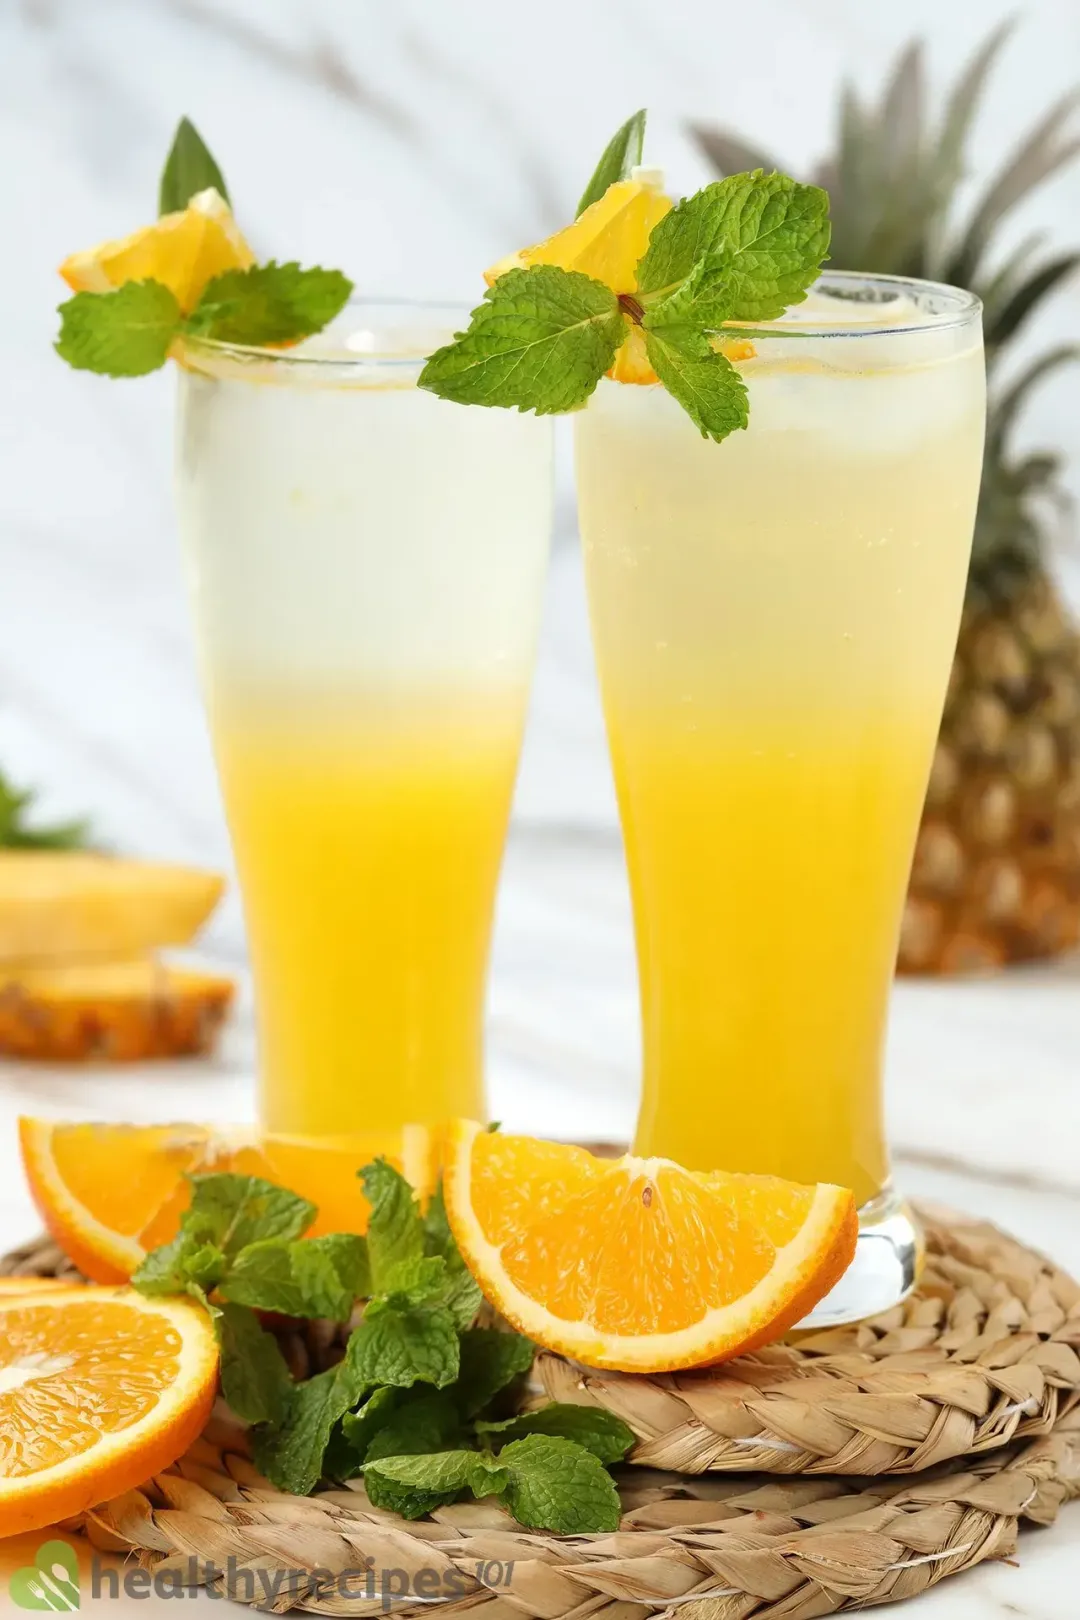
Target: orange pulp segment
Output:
{"points": [[99, 1389]]}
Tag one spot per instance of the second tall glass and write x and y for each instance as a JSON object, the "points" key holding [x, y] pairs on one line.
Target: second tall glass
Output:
{"points": [[774, 620], [368, 565]]}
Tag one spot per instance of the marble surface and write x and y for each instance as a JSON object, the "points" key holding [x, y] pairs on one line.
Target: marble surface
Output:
{"points": [[413, 143]]}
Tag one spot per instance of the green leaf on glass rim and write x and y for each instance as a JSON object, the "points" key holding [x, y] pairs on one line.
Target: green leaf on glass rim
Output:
{"points": [[268, 303], [767, 234], [599, 1431], [621, 154], [125, 333], [540, 341], [704, 382], [189, 169]]}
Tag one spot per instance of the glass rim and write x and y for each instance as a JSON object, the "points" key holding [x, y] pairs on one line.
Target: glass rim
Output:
{"points": [[960, 308], [456, 311]]}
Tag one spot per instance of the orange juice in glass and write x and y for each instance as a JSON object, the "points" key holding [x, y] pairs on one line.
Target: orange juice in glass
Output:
{"points": [[774, 619], [367, 565]]}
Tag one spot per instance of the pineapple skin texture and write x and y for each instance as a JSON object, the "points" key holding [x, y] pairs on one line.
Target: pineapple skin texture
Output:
{"points": [[996, 875], [134, 1013]]}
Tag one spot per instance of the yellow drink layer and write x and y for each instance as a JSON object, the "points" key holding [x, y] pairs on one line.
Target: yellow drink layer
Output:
{"points": [[774, 619], [369, 847]]}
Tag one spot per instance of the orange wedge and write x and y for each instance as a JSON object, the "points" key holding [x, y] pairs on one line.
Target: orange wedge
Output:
{"points": [[99, 1389], [184, 250], [108, 1193], [637, 1264], [605, 242]]}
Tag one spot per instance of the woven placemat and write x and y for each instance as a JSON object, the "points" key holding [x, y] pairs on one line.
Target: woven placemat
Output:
{"points": [[695, 1549], [987, 1350]]}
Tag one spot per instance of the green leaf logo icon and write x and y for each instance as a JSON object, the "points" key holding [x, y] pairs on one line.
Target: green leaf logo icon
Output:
{"points": [[50, 1582]]}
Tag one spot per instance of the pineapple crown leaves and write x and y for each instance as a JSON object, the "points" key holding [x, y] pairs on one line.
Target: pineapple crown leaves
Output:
{"points": [[892, 188], [893, 181]]}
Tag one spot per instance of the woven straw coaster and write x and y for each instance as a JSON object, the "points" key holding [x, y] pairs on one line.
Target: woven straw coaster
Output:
{"points": [[990, 1339], [987, 1350], [693, 1549]]}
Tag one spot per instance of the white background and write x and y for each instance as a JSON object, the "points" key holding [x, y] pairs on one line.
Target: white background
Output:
{"points": [[411, 143]]}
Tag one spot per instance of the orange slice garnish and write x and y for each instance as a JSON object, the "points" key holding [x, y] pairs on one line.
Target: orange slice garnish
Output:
{"points": [[99, 1390], [108, 1193], [184, 250], [638, 1264]]}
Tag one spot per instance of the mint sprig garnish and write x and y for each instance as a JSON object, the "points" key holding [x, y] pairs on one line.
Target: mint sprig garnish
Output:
{"points": [[621, 154], [423, 1402], [540, 341], [189, 168], [131, 331], [743, 249]]}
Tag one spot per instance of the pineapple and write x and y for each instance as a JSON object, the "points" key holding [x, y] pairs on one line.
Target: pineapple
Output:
{"points": [[996, 876]]}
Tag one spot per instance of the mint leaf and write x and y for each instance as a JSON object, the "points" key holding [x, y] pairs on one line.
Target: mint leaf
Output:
{"points": [[291, 1455], [312, 1277], [766, 236], [540, 341], [125, 333], [705, 383], [545, 1482], [395, 1232], [186, 1265], [556, 1485], [490, 1360], [419, 1281], [404, 1346], [233, 1211], [189, 168], [414, 1486], [463, 1296], [254, 1378], [268, 303], [428, 1423], [620, 155], [599, 1431], [348, 1447]]}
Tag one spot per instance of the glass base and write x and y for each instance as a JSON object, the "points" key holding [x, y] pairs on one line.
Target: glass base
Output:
{"points": [[886, 1267]]}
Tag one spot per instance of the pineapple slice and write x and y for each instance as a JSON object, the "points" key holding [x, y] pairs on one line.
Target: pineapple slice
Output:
{"points": [[118, 1012], [63, 907]]}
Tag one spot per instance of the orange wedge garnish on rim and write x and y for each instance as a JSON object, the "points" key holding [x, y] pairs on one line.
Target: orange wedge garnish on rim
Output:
{"points": [[108, 1193], [638, 1264], [184, 250], [605, 242], [99, 1390]]}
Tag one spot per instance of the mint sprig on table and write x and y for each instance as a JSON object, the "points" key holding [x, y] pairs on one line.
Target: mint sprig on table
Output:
{"points": [[129, 331], [423, 1401], [742, 250]]}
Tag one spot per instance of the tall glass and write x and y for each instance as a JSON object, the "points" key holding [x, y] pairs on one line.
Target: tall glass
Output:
{"points": [[367, 564], [774, 619]]}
